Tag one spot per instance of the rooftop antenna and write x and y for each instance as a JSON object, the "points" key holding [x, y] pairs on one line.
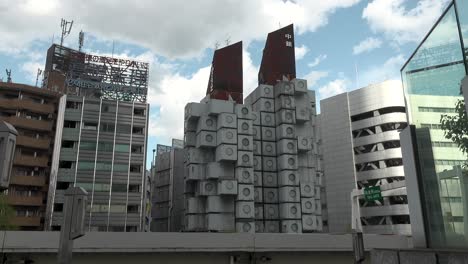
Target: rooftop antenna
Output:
{"points": [[228, 40], [39, 73], [216, 45], [66, 28], [80, 40], [8, 72]]}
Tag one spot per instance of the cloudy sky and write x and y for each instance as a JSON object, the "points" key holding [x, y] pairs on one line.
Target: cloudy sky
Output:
{"points": [[340, 44]]}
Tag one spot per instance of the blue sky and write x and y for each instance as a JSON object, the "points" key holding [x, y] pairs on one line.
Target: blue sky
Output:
{"points": [[341, 44]]}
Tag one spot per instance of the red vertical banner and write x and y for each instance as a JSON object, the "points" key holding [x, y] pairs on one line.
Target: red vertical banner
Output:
{"points": [[278, 60], [226, 78]]}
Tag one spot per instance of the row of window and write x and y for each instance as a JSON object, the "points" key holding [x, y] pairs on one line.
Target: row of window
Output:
{"points": [[436, 109], [449, 162], [444, 144], [105, 127], [431, 126], [107, 108], [104, 187], [100, 166], [114, 208], [103, 146]]}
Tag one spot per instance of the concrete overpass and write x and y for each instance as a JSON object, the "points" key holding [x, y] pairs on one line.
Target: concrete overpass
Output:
{"points": [[194, 248]]}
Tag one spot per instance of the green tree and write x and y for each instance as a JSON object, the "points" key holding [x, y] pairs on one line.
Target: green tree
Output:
{"points": [[7, 213], [456, 127]]}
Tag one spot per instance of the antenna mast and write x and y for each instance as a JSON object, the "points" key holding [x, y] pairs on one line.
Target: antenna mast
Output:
{"points": [[8, 72], [80, 40], [66, 28], [39, 73]]}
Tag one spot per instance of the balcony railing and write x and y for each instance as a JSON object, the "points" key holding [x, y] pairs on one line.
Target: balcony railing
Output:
{"points": [[27, 104], [31, 161], [21, 122], [28, 180], [27, 221], [24, 200], [33, 142]]}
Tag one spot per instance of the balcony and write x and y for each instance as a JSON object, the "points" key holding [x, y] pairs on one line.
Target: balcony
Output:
{"points": [[27, 221], [31, 161], [24, 200], [28, 180], [33, 142], [28, 105], [20, 122]]}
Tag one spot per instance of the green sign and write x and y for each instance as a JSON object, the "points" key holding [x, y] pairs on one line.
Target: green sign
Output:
{"points": [[372, 193]]}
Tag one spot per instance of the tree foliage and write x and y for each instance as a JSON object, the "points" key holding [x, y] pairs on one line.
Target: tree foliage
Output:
{"points": [[7, 214], [456, 126]]}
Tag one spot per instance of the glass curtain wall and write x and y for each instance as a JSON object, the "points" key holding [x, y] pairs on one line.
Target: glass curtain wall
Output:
{"points": [[432, 78]]}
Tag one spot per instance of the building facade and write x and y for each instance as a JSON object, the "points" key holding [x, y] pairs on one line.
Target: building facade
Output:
{"points": [[432, 77], [33, 112], [361, 145], [101, 147], [168, 203], [101, 138]]}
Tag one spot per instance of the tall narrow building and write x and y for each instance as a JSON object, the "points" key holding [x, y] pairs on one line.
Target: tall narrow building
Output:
{"points": [[101, 138], [33, 112], [361, 148]]}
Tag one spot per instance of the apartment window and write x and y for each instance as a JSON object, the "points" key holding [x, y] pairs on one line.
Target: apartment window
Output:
{"points": [[105, 146], [133, 208], [90, 126], [62, 185], [68, 144], [116, 228], [107, 127], [73, 105], [58, 207], [431, 126], [137, 149], [133, 188], [135, 168], [70, 124], [137, 130], [64, 164], [120, 167], [86, 145], [124, 129], [139, 111], [117, 208], [436, 109], [119, 187], [121, 147], [131, 228]]}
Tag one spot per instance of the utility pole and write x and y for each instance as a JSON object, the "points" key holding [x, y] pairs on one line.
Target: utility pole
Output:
{"points": [[73, 222]]}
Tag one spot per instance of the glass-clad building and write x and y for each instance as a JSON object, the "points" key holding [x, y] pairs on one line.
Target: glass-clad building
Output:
{"points": [[431, 79]]}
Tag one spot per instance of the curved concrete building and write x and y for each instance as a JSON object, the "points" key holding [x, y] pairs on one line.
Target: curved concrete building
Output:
{"points": [[361, 142]]}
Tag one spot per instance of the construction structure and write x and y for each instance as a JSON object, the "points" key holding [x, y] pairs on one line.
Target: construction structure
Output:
{"points": [[167, 210], [361, 147], [33, 112], [251, 167], [101, 138]]}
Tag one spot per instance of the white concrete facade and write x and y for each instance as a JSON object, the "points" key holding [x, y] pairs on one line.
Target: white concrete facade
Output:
{"points": [[361, 144]]}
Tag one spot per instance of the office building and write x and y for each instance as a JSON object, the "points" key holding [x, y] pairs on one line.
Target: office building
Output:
{"points": [[33, 112], [361, 149], [101, 138], [167, 210], [433, 164]]}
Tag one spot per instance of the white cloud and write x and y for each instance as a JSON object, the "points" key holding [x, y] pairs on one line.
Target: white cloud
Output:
{"points": [[390, 69], [162, 26], [318, 60], [334, 87], [401, 24], [314, 76], [367, 45], [300, 52], [30, 69]]}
